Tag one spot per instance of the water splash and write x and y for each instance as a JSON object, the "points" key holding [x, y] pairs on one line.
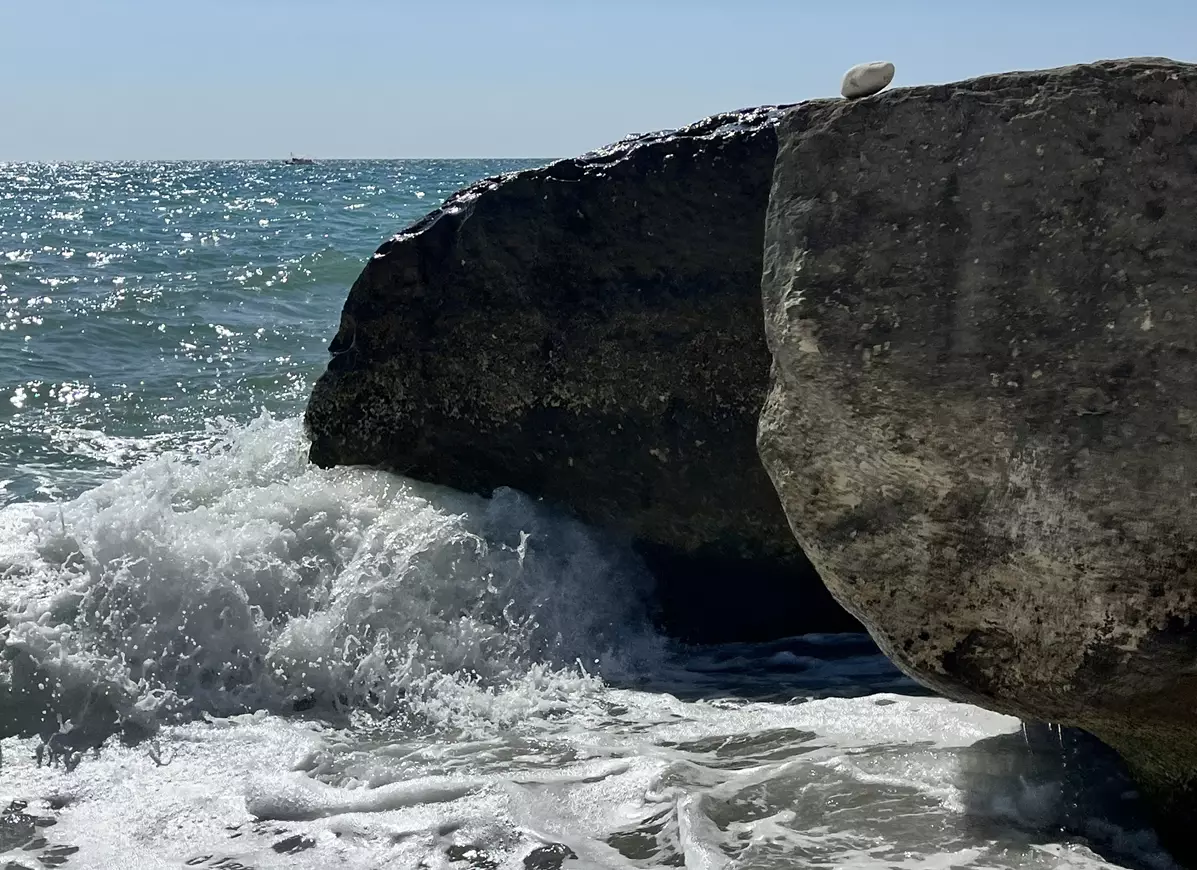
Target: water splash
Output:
{"points": [[246, 579]]}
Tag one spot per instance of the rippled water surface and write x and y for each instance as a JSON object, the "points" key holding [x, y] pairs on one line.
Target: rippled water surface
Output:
{"points": [[141, 303], [216, 655]]}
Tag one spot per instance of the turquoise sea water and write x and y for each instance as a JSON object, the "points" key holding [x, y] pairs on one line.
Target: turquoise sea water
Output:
{"points": [[142, 303], [215, 655]]}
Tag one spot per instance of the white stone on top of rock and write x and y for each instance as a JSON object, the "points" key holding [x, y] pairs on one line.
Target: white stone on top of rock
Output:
{"points": [[866, 79]]}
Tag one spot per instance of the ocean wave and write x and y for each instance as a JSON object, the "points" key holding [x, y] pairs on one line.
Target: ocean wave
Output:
{"points": [[246, 579]]}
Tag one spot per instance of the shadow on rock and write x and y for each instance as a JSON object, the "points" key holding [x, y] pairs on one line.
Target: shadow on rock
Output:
{"points": [[1049, 784]]}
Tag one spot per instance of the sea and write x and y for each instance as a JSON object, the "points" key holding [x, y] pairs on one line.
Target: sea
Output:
{"points": [[215, 655]]}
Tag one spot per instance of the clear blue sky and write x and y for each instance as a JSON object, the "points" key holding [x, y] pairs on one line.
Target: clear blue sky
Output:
{"points": [[146, 79]]}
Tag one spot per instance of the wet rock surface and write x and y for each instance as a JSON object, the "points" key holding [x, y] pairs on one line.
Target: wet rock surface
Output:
{"points": [[591, 332], [981, 299]]}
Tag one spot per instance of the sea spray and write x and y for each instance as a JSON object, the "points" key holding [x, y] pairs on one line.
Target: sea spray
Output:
{"points": [[247, 579]]}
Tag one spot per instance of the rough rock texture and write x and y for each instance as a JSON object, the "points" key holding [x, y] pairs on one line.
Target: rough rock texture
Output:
{"points": [[591, 332], [982, 303]]}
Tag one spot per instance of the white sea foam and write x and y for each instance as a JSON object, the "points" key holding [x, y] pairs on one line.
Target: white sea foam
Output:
{"points": [[480, 687], [653, 782], [247, 579]]}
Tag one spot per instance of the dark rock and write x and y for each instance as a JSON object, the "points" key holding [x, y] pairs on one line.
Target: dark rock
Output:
{"points": [[591, 332], [294, 844], [982, 303], [550, 857]]}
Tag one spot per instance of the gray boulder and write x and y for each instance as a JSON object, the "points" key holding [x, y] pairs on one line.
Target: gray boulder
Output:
{"points": [[591, 332], [981, 299]]}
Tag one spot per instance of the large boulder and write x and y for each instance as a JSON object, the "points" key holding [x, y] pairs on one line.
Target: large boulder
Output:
{"points": [[591, 332], [981, 299]]}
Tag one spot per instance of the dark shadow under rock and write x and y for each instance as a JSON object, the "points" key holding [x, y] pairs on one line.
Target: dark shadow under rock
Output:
{"points": [[1049, 783]]}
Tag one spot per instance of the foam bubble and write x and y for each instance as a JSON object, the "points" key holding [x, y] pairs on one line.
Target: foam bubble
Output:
{"points": [[244, 578]]}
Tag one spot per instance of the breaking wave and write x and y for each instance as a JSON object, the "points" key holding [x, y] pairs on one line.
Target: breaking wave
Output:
{"points": [[246, 579]]}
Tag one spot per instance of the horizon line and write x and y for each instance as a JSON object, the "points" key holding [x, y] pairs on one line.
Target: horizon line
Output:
{"points": [[284, 160]]}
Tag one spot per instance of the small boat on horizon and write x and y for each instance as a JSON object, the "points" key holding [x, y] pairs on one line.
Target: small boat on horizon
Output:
{"points": [[300, 161]]}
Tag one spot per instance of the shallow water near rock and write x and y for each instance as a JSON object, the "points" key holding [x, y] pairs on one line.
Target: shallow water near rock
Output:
{"points": [[217, 655]]}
